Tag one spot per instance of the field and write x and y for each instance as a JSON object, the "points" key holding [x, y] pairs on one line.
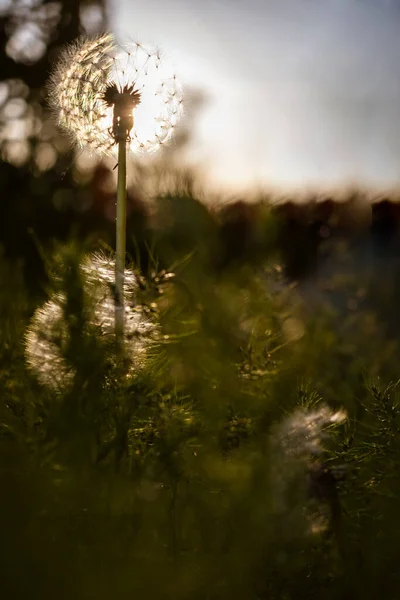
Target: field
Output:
{"points": [[247, 446]]}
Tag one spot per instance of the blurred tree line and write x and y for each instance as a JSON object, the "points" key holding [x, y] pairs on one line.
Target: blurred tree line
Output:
{"points": [[38, 197]]}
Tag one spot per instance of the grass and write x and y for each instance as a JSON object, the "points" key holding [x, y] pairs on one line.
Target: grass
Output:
{"points": [[213, 470]]}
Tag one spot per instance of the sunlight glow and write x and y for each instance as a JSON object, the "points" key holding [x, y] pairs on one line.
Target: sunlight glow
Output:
{"points": [[89, 67]]}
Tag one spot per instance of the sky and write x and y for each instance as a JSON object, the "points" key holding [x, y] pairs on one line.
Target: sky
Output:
{"points": [[298, 93]]}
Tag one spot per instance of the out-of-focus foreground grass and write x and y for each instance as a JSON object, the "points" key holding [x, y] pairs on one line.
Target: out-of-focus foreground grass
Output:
{"points": [[223, 465]]}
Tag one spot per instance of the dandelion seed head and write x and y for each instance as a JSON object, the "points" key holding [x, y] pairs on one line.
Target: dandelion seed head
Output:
{"points": [[98, 270], [298, 443], [47, 337], [45, 340], [90, 71], [304, 432]]}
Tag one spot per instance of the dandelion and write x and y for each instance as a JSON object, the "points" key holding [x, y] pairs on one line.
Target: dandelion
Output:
{"points": [[299, 472], [102, 92], [99, 276], [111, 99], [47, 337], [303, 433], [45, 342]]}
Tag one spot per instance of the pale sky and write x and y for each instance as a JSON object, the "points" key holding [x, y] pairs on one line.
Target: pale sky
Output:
{"points": [[300, 92]]}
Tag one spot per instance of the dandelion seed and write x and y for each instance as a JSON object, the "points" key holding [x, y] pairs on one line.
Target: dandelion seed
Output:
{"points": [[298, 473], [303, 432], [98, 271], [94, 75], [47, 337], [45, 341]]}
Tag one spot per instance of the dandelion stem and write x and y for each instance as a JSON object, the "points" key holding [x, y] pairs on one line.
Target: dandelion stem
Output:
{"points": [[121, 240]]}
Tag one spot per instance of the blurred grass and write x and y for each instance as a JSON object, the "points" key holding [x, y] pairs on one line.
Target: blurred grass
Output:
{"points": [[167, 481]]}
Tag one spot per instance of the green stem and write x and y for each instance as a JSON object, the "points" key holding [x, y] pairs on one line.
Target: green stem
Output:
{"points": [[121, 241]]}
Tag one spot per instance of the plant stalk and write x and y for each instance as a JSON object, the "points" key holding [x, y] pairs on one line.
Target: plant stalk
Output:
{"points": [[121, 241]]}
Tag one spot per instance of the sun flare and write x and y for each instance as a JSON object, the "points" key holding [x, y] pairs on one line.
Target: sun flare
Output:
{"points": [[86, 72]]}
